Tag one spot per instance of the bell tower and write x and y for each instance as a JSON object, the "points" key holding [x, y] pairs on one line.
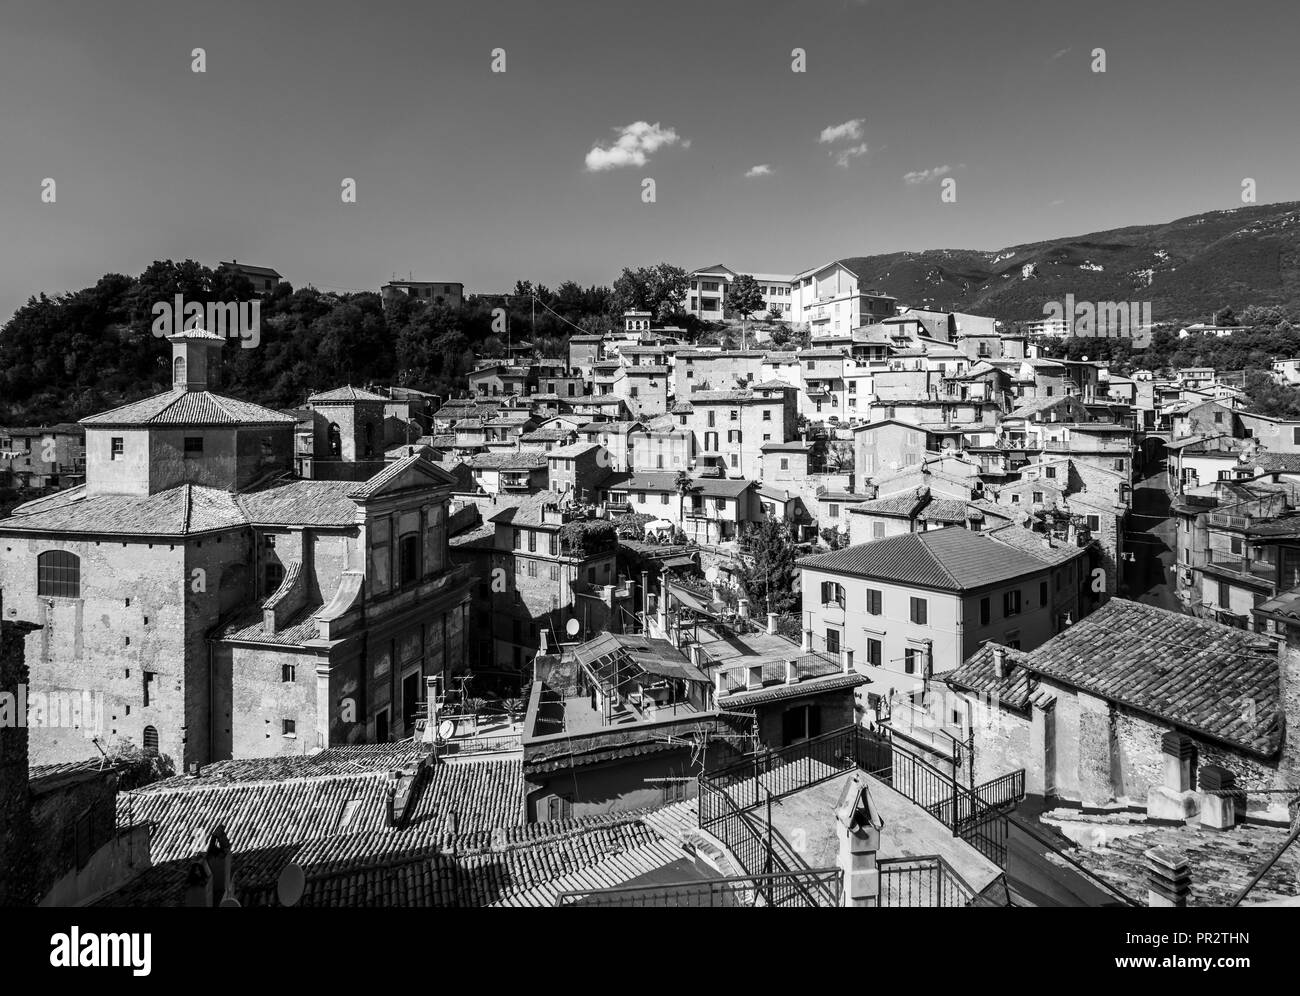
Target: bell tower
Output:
{"points": [[196, 360]]}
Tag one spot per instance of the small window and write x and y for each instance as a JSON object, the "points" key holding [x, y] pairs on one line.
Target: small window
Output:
{"points": [[920, 611], [910, 655], [875, 600], [986, 611], [873, 652], [832, 641], [151, 739], [288, 673], [289, 727], [274, 578], [116, 448], [193, 446], [1011, 602], [1042, 592]]}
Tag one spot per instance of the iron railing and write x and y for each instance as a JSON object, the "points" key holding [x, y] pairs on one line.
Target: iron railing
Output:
{"points": [[923, 881], [759, 853], [738, 890]]}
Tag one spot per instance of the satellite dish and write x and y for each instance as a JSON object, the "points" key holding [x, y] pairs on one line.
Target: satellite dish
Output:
{"points": [[290, 885], [446, 729], [229, 901], [572, 627]]}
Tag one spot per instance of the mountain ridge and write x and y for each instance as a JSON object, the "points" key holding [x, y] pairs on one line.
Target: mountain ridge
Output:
{"points": [[1188, 268]]}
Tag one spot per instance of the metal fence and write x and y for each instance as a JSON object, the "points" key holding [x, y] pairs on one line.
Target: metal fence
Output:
{"points": [[922, 881], [742, 890], [760, 852], [976, 815]]}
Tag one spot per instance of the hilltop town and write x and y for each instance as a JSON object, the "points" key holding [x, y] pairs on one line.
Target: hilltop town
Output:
{"points": [[989, 626]]}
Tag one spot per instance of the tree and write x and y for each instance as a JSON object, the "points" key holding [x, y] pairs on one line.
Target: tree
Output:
{"points": [[1266, 317], [833, 538], [767, 574], [659, 289], [744, 297]]}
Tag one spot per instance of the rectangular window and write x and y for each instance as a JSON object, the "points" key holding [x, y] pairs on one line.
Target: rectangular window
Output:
{"points": [[193, 446], [1094, 522], [832, 641], [116, 448], [986, 611], [873, 652], [875, 601], [1234, 544], [1051, 472], [919, 611], [532, 541], [1225, 595], [409, 558], [1042, 592], [555, 572], [532, 568], [288, 673], [1011, 602], [289, 727], [910, 655]]}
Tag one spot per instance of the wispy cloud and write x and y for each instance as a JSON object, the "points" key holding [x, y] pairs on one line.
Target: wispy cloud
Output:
{"points": [[849, 130], [927, 175], [845, 156], [761, 170], [633, 147], [1057, 55]]}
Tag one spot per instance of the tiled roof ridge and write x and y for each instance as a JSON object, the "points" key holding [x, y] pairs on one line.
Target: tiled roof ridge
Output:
{"points": [[218, 782]]}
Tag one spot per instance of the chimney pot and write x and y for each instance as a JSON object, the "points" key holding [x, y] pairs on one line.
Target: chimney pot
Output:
{"points": [[771, 624], [1000, 662]]}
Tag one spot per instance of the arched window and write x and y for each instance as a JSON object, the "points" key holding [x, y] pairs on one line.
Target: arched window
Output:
{"points": [[336, 442], [178, 371], [58, 574], [151, 739]]}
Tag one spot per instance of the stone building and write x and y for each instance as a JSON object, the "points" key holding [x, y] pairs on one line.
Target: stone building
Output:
{"points": [[1091, 714], [217, 606]]}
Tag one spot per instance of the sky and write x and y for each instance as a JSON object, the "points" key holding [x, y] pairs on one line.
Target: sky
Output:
{"points": [[537, 172]]}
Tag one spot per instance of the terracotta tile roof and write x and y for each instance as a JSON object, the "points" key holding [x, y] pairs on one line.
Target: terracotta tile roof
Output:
{"points": [[527, 510], [512, 460], [485, 855], [348, 393], [300, 503], [1207, 678], [180, 511], [949, 559], [189, 408], [976, 674], [1035, 544]]}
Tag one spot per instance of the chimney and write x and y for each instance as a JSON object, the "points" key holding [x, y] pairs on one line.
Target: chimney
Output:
{"points": [[771, 624], [999, 661], [1218, 797], [1169, 877], [791, 673], [845, 664]]}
